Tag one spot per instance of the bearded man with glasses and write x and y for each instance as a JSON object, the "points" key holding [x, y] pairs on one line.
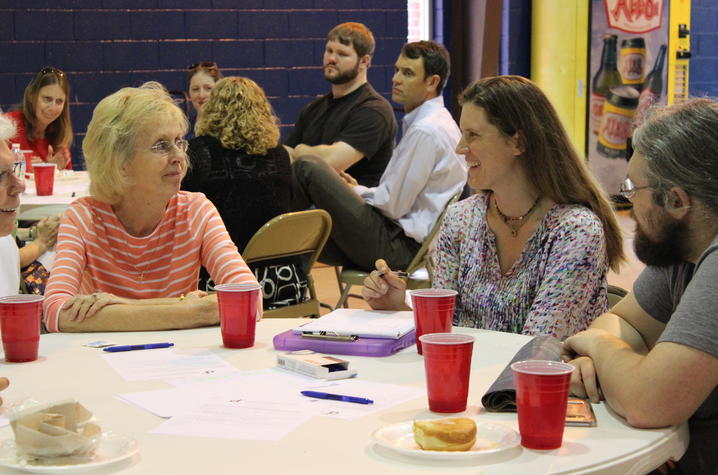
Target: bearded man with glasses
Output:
{"points": [[655, 354]]}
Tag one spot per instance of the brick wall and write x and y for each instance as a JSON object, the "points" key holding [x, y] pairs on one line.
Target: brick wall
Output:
{"points": [[704, 46], [104, 45]]}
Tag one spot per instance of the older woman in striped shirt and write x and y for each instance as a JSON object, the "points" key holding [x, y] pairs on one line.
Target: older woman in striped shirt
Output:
{"points": [[128, 257]]}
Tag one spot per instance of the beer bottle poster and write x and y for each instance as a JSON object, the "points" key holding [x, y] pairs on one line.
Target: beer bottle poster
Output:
{"points": [[628, 75]]}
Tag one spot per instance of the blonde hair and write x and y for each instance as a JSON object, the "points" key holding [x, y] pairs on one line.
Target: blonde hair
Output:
{"points": [[117, 122], [239, 116], [516, 106]]}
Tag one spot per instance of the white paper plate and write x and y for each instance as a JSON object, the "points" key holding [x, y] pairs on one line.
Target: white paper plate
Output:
{"points": [[490, 439], [113, 447]]}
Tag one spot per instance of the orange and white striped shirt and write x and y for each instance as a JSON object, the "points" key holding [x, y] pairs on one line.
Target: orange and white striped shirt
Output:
{"points": [[96, 254]]}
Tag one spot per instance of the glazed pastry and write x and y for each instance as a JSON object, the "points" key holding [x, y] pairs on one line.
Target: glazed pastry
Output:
{"points": [[454, 434]]}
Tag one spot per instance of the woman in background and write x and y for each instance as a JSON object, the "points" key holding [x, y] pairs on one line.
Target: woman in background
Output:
{"points": [[529, 252], [128, 256], [239, 164], [43, 123], [201, 78]]}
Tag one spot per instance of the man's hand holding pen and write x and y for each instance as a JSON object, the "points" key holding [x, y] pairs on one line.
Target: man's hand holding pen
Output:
{"points": [[384, 289]]}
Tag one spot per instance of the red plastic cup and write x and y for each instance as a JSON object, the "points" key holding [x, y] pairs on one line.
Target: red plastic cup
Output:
{"points": [[44, 178], [447, 360], [541, 398], [433, 311], [28, 163], [20, 326], [238, 313]]}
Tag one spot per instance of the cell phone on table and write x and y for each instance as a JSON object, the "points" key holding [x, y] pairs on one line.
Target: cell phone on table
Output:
{"points": [[580, 413]]}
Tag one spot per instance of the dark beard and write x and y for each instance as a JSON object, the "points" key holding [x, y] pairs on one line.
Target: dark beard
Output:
{"points": [[667, 248], [345, 77]]}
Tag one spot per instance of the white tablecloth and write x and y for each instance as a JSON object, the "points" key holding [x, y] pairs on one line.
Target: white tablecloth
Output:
{"points": [[66, 369], [68, 187]]}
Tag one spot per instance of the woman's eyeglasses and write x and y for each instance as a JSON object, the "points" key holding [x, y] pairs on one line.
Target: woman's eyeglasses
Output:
{"points": [[628, 189], [164, 147], [50, 70], [205, 65]]}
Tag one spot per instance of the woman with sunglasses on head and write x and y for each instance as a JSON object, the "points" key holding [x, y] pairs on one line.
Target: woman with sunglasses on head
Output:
{"points": [[239, 164], [529, 252], [128, 256], [43, 123]]}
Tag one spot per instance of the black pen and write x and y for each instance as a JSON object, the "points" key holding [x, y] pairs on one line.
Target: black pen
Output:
{"points": [[398, 273]]}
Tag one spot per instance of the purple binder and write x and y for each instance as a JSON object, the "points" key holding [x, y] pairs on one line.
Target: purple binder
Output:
{"points": [[290, 341]]}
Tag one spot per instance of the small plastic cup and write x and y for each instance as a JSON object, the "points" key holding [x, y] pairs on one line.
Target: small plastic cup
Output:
{"points": [[238, 313], [447, 360], [28, 163], [433, 311], [44, 178], [20, 326], [541, 398]]}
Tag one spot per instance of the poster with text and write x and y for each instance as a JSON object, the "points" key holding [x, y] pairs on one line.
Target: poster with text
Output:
{"points": [[628, 75]]}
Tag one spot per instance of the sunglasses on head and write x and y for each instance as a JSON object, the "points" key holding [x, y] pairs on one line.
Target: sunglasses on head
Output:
{"points": [[50, 70], [205, 64]]}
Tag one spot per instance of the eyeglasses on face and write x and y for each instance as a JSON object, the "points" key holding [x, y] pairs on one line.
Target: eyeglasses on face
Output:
{"points": [[17, 171], [628, 189], [205, 64], [164, 147]]}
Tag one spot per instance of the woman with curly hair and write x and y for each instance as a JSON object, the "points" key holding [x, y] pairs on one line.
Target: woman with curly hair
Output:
{"points": [[239, 164]]}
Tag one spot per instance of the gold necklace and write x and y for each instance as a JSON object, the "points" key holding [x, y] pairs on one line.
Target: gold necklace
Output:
{"points": [[514, 223]]}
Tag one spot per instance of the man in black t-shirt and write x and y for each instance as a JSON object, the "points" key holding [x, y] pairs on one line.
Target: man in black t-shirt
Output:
{"points": [[353, 128]]}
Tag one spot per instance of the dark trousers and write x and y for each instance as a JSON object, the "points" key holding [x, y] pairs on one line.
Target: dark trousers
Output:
{"points": [[360, 233]]}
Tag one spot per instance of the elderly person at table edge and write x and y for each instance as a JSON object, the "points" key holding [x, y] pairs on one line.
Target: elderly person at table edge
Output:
{"points": [[530, 251], [11, 185], [128, 257], [655, 354]]}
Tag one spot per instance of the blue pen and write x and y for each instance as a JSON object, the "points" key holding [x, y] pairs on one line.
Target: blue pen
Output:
{"points": [[149, 346], [337, 397]]}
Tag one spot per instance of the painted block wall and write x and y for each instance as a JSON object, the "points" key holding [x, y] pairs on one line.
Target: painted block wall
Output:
{"points": [[104, 45], [704, 47]]}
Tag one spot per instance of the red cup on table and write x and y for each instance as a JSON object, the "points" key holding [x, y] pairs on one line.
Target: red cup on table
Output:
{"points": [[447, 360], [44, 178], [28, 163], [433, 311], [541, 399], [20, 326], [238, 313]]}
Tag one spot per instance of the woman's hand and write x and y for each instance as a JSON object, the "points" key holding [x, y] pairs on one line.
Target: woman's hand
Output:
{"points": [[348, 179], [46, 232], [61, 158], [383, 290], [4, 383], [81, 307], [206, 308]]}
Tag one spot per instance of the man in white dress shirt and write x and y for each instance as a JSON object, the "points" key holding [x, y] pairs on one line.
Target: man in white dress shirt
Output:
{"points": [[10, 188], [392, 220]]}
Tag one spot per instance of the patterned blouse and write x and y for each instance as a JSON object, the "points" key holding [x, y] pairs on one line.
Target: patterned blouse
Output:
{"points": [[556, 287]]}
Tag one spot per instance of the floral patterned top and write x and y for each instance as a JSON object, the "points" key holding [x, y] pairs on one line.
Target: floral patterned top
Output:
{"points": [[556, 287]]}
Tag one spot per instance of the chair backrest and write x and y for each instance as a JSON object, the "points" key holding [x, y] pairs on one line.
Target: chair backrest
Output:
{"points": [[615, 294], [290, 234], [420, 259]]}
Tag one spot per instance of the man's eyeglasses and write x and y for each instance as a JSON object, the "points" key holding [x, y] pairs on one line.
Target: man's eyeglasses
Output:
{"points": [[628, 189], [205, 65], [17, 170], [164, 147]]}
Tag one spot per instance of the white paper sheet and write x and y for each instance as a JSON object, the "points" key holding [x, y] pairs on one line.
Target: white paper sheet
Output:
{"points": [[237, 419], [167, 363], [365, 323]]}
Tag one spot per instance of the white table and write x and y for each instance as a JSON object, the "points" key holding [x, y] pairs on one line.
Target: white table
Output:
{"points": [[68, 187], [322, 445]]}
